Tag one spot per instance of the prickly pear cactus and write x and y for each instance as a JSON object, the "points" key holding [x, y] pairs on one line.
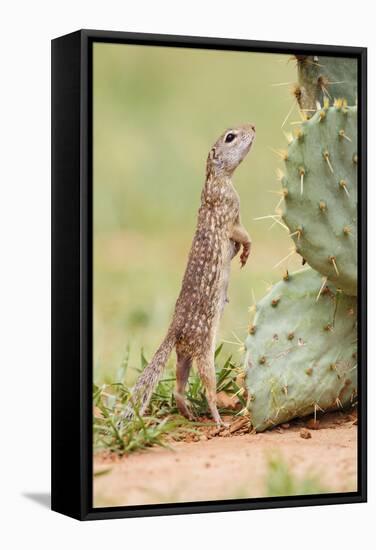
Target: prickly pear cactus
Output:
{"points": [[323, 78], [301, 351], [320, 192]]}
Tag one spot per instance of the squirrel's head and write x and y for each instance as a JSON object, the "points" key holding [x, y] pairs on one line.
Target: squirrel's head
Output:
{"points": [[230, 149]]}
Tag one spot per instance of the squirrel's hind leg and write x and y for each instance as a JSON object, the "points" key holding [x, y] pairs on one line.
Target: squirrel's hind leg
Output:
{"points": [[183, 366], [206, 369]]}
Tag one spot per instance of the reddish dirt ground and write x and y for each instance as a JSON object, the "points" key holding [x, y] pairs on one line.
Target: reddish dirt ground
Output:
{"points": [[229, 465]]}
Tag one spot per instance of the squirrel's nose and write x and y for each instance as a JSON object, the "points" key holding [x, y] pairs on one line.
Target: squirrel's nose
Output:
{"points": [[253, 127]]}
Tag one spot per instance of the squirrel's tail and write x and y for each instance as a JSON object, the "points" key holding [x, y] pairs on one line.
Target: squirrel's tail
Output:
{"points": [[149, 377]]}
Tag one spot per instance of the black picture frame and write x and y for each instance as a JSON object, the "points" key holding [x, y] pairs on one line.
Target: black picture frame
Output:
{"points": [[72, 274]]}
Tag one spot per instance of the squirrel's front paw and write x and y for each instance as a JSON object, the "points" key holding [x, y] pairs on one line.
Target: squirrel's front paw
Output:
{"points": [[236, 246], [245, 254]]}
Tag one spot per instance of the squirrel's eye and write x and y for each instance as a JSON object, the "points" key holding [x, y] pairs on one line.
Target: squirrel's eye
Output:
{"points": [[230, 137]]}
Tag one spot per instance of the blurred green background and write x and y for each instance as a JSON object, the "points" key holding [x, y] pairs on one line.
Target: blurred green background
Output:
{"points": [[157, 112]]}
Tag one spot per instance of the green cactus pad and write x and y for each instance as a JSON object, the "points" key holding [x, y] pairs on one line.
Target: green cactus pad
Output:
{"points": [[320, 191], [301, 354], [323, 78]]}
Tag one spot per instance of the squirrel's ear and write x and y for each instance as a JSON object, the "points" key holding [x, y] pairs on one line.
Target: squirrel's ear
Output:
{"points": [[211, 155], [214, 159]]}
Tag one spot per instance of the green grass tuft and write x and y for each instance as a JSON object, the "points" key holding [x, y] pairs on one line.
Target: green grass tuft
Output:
{"points": [[112, 434], [280, 481]]}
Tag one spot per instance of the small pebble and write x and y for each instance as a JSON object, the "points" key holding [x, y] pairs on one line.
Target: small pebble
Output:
{"points": [[305, 434]]}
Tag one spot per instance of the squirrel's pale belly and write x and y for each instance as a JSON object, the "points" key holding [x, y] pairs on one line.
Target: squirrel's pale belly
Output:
{"points": [[225, 276]]}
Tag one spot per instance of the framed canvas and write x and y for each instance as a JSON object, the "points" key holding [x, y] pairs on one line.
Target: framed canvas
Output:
{"points": [[180, 385]]}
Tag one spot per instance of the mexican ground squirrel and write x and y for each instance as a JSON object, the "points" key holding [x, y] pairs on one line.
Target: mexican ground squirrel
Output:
{"points": [[218, 238]]}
